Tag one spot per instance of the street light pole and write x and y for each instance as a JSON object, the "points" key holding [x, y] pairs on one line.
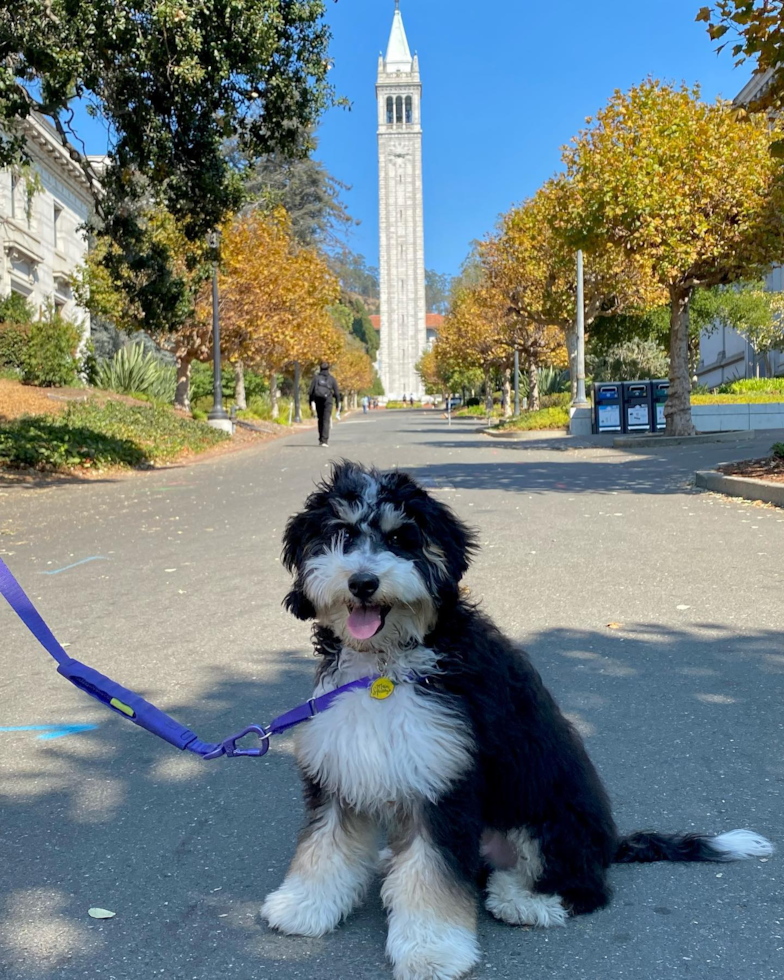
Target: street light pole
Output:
{"points": [[580, 411], [581, 399], [297, 404], [217, 417]]}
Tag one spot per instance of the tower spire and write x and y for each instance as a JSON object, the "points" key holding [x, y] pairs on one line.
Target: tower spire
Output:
{"points": [[398, 52]]}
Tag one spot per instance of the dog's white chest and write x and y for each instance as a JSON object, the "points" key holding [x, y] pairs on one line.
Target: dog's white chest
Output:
{"points": [[371, 752]]}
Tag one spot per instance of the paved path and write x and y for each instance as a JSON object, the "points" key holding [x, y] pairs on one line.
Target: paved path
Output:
{"points": [[681, 706]]}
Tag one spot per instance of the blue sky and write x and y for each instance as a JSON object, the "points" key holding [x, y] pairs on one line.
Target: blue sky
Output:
{"points": [[506, 84]]}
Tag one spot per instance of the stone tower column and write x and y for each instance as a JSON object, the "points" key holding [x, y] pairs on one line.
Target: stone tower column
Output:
{"points": [[402, 239]]}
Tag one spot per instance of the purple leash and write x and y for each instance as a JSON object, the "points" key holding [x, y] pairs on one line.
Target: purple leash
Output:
{"points": [[131, 706]]}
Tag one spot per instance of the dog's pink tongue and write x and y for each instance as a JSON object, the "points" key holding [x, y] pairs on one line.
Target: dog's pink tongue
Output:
{"points": [[364, 622]]}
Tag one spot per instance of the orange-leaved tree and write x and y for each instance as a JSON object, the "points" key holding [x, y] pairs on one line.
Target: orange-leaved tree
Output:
{"points": [[472, 334], [686, 188], [353, 370], [274, 297], [531, 262]]}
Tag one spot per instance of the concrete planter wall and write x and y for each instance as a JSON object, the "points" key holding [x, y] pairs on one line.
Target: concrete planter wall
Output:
{"points": [[726, 418]]}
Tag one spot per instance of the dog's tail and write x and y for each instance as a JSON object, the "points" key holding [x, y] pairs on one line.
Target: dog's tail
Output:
{"points": [[736, 845]]}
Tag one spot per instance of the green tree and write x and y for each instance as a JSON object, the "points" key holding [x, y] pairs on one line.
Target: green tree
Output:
{"points": [[363, 329], [356, 277], [686, 188], [308, 192], [173, 80], [438, 288]]}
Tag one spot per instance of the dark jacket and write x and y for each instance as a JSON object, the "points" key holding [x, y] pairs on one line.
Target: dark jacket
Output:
{"points": [[324, 386]]}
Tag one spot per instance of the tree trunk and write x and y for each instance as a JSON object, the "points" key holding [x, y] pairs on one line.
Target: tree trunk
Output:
{"points": [[571, 344], [239, 386], [354, 400], [507, 393], [488, 393], [274, 395], [678, 409], [182, 395], [533, 387]]}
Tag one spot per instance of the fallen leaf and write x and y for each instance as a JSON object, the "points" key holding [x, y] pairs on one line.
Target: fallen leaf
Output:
{"points": [[683, 607], [101, 914], [615, 626]]}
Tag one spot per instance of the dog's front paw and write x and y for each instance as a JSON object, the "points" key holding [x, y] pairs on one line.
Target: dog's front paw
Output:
{"points": [[299, 909], [425, 949]]}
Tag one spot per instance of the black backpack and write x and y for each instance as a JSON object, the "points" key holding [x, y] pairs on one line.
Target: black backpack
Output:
{"points": [[323, 386]]}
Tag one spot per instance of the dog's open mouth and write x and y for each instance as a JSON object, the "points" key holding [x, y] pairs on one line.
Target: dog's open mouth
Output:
{"points": [[365, 621]]}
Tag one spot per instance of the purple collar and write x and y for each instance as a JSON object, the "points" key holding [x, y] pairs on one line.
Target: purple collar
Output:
{"points": [[296, 716]]}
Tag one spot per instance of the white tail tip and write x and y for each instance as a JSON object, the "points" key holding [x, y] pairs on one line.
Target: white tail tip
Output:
{"points": [[740, 845]]}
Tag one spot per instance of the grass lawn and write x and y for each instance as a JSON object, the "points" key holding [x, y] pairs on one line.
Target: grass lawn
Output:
{"points": [[91, 436]]}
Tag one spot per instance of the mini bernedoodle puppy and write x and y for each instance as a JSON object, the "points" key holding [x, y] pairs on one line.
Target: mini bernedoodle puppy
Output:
{"points": [[467, 768]]}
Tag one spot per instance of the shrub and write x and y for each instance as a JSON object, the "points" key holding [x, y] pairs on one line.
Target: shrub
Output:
{"points": [[14, 338], [778, 450], [753, 386], [97, 436], [543, 418], [49, 359], [132, 370], [473, 402], [562, 400], [634, 360], [15, 309]]}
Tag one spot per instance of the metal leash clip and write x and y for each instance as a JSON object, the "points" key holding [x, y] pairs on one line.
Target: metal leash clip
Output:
{"points": [[228, 747]]}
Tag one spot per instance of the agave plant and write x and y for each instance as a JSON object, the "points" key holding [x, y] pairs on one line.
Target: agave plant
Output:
{"points": [[132, 370], [552, 381]]}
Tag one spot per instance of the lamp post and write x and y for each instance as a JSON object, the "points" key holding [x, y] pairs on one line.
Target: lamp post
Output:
{"points": [[297, 404], [580, 411], [217, 417]]}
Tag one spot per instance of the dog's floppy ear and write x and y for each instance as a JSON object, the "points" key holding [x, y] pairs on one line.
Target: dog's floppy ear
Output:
{"points": [[298, 604]]}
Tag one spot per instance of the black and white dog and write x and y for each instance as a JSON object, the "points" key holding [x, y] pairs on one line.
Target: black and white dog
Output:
{"points": [[468, 769]]}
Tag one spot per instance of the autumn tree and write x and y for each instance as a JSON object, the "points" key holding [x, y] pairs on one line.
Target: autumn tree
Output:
{"points": [[754, 29], [275, 298], [472, 335], [353, 370], [531, 262], [687, 189]]}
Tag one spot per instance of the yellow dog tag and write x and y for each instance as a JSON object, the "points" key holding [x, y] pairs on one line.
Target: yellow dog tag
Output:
{"points": [[382, 688]]}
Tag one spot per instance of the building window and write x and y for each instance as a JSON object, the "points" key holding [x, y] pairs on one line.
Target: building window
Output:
{"points": [[58, 227], [409, 110], [390, 110], [399, 109], [14, 183]]}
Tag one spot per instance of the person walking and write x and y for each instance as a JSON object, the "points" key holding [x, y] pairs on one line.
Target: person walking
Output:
{"points": [[365, 404], [324, 392]]}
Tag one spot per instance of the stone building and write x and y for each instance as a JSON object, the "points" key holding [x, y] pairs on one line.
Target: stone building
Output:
{"points": [[41, 210], [402, 240]]}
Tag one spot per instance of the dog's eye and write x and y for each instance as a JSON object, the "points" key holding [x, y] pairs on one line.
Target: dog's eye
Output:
{"points": [[406, 537]]}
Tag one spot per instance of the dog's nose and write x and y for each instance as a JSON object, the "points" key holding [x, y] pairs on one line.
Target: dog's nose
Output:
{"points": [[363, 585]]}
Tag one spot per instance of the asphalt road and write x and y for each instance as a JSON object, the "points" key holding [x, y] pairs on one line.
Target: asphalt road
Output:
{"points": [[681, 705]]}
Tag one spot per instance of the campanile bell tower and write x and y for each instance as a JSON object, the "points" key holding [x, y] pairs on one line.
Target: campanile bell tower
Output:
{"points": [[402, 240]]}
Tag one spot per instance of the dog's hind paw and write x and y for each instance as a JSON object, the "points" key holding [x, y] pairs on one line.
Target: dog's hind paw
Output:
{"points": [[429, 950], [297, 909], [507, 901]]}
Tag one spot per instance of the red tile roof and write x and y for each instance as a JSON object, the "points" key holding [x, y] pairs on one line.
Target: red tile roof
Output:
{"points": [[434, 321]]}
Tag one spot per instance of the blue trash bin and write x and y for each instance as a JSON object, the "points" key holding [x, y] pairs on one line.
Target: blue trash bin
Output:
{"points": [[608, 407]]}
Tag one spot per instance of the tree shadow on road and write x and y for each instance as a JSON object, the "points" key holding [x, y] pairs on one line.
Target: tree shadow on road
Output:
{"points": [[684, 724], [568, 475]]}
